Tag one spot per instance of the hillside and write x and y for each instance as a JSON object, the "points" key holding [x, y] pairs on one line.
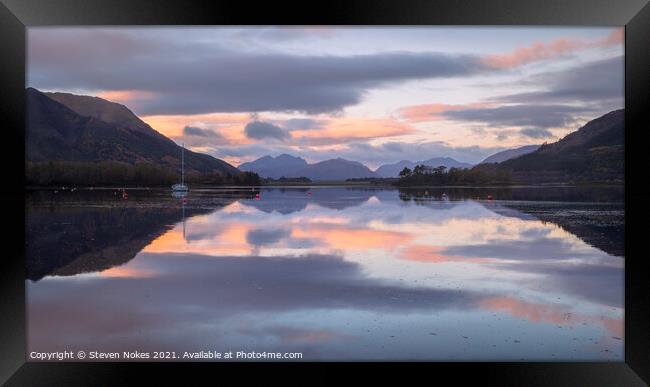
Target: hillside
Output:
{"points": [[595, 152], [69, 128], [510, 154]]}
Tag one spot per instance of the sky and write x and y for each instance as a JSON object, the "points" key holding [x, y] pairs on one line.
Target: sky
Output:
{"points": [[376, 95]]}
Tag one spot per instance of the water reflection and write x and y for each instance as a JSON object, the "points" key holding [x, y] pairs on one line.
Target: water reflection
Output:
{"points": [[334, 273]]}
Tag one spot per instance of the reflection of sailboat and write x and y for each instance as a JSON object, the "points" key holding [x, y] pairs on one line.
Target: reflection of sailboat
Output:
{"points": [[183, 207], [181, 188], [183, 196]]}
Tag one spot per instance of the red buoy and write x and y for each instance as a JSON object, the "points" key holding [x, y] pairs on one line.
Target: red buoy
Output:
{"points": [[489, 197]]}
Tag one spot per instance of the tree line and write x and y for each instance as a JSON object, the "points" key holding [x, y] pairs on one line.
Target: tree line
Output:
{"points": [[116, 173], [426, 175]]}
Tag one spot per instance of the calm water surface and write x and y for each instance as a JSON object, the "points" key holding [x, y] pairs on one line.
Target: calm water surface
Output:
{"points": [[335, 273]]}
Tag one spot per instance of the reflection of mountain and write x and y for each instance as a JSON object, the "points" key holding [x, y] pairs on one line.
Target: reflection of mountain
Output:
{"points": [[595, 214], [287, 201], [93, 236], [600, 226]]}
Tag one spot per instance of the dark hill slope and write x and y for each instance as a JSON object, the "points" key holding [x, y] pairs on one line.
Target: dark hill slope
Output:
{"points": [[56, 132], [595, 152]]}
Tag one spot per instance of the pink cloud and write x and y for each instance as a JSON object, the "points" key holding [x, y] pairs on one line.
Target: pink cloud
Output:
{"points": [[553, 314], [435, 254], [539, 51]]}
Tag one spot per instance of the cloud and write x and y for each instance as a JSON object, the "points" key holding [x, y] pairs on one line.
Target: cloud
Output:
{"points": [[202, 138], [260, 130], [196, 131], [433, 111], [596, 282], [345, 130], [544, 249], [540, 51], [263, 285], [435, 254], [599, 82], [261, 237], [392, 151], [563, 98], [527, 115], [303, 124], [281, 33], [536, 132], [191, 77]]}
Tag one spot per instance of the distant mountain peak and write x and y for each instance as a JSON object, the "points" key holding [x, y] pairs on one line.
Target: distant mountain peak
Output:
{"points": [[286, 165], [287, 156]]}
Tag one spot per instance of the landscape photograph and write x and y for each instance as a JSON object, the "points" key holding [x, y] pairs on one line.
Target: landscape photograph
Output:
{"points": [[321, 193]]}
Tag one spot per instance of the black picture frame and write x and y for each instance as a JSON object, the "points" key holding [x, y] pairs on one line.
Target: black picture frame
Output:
{"points": [[16, 15]]}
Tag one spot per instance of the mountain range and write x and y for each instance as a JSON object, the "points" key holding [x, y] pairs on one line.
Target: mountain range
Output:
{"points": [[290, 166], [67, 127], [276, 167]]}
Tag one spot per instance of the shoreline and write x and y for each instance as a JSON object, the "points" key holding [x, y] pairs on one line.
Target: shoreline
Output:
{"points": [[326, 184]]}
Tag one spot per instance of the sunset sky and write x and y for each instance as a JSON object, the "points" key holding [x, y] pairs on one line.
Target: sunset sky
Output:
{"points": [[374, 95]]}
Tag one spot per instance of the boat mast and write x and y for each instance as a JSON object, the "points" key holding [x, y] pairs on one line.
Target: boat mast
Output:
{"points": [[183, 164]]}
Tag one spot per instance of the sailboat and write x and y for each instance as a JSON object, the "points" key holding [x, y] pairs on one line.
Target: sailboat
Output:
{"points": [[181, 187]]}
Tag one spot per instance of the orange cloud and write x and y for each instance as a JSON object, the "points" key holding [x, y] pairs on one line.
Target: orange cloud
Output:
{"points": [[231, 241], [345, 129], [125, 272], [433, 254], [124, 96], [341, 237], [229, 125], [615, 37], [539, 51]]}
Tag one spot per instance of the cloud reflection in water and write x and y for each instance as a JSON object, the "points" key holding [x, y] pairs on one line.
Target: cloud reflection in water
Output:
{"points": [[347, 274]]}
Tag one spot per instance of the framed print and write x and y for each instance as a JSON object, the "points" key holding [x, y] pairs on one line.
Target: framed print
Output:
{"points": [[419, 186]]}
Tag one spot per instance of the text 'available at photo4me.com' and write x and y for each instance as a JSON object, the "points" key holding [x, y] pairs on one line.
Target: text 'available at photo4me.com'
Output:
{"points": [[162, 355]]}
